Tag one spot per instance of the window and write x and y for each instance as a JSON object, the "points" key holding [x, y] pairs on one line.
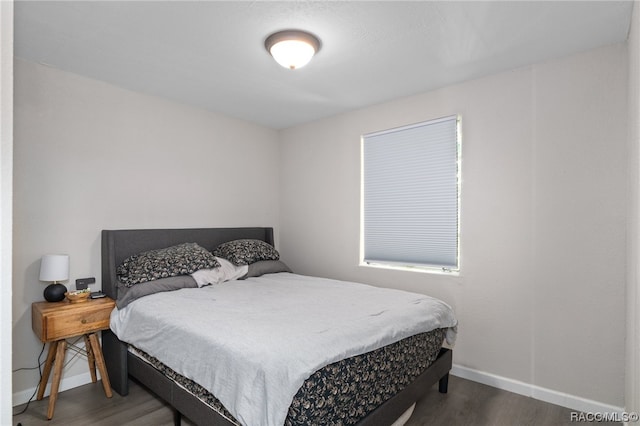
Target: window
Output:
{"points": [[410, 195]]}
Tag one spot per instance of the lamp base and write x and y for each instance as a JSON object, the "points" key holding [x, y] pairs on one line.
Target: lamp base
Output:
{"points": [[54, 292]]}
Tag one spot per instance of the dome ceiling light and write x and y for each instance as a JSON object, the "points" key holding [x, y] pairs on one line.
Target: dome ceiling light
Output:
{"points": [[292, 49]]}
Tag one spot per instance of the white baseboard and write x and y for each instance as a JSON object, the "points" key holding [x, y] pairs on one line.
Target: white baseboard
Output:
{"points": [[547, 395], [65, 384]]}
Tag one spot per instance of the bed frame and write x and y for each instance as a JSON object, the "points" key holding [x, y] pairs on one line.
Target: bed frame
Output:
{"points": [[122, 365]]}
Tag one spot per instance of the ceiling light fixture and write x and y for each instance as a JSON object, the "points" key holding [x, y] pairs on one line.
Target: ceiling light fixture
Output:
{"points": [[292, 49]]}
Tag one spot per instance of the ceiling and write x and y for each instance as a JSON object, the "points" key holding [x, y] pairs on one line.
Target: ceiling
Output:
{"points": [[211, 53]]}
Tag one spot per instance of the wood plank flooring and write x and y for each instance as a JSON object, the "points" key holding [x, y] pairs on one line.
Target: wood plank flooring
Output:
{"points": [[467, 403]]}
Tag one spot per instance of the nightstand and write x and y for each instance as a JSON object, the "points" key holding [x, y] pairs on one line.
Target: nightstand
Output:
{"points": [[55, 322]]}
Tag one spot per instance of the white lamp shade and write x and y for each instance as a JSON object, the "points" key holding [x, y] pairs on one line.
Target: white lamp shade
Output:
{"points": [[292, 49], [54, 267]]}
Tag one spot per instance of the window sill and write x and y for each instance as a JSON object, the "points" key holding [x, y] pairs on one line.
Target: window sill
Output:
{"points": [[412, 268]]}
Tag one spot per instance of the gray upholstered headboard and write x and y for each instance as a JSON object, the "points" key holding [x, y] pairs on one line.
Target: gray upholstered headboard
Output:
{"points": [[120, 244]]}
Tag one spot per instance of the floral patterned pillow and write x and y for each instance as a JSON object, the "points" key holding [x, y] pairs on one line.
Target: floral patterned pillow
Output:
{"points": [[183, 259], [246, 252]]}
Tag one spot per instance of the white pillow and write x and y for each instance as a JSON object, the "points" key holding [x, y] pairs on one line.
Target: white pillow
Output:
{"points": [[208, 276], [232, 272], [227, 271]]}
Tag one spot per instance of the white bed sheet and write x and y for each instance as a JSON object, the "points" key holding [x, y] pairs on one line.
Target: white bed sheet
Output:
{"points": [[252, 343]]}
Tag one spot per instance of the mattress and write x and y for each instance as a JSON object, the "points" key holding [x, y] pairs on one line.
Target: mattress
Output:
{"points": [[255, 343], [341, 393]]}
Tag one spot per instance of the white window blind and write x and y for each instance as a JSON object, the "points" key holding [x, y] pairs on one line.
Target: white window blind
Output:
{"points": [[410, 195]]}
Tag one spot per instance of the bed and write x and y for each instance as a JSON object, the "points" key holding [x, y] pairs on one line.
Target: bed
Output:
{"points": [[189, 398]]}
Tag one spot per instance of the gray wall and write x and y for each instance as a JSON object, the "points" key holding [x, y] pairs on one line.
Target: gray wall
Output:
{"points": [[540, 295], [6, 200], [632, 394], [90, 156]]}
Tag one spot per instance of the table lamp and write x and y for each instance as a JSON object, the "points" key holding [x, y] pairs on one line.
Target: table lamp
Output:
{"points": [[54, 267]]}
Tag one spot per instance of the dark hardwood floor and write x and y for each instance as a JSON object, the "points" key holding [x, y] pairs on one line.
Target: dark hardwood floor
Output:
{"points": [[467, 403]]}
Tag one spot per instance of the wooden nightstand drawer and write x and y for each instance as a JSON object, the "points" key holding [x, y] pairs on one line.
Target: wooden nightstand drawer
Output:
{"points": [[54, 321], [75, 323]]}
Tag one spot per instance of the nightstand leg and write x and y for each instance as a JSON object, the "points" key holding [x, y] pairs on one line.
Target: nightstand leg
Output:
{"points": [[97, 353], [90, 358], [57, 375], [51, 356]]}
